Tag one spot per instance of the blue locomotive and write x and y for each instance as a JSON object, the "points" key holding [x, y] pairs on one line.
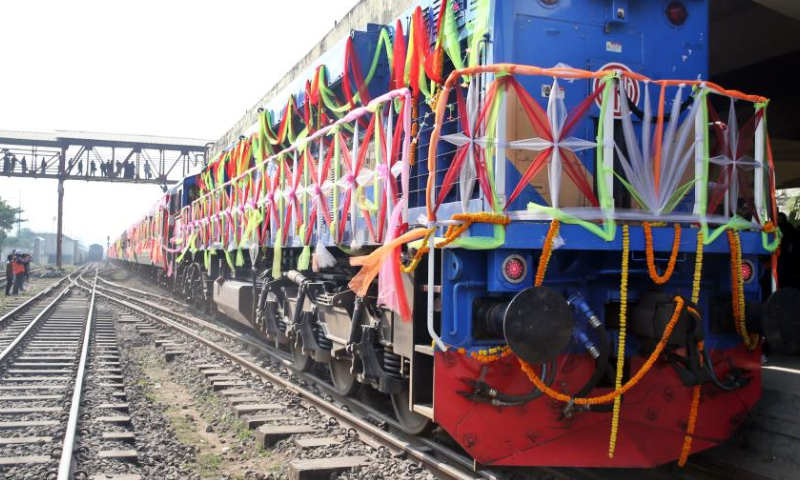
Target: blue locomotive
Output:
{"points": [[531, 223]]}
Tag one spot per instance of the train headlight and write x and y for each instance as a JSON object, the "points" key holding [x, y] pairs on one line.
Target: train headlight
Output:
{"points": [[677, 13], [514, 269]]}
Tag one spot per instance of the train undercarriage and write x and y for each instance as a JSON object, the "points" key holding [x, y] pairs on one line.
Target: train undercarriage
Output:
{"points": [[319, 321]]}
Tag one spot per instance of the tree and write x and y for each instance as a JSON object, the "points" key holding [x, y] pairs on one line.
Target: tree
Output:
{"points": [[24, 240], [8, 216], [794, 209]]}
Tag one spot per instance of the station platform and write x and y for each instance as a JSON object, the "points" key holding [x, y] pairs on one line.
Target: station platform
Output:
{"points": [[769, 442]]}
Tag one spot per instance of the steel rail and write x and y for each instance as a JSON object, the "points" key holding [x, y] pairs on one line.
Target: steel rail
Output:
{"points": [[31, 301], [65, 465], [135, 290], [256, 343], [24, 333], [694, 470], [353, 420]]}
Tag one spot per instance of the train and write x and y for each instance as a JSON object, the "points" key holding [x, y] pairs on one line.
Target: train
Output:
{"points": [[95, 253], [533, 225]]}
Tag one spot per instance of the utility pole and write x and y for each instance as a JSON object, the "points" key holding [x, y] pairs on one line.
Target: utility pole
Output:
{"points": [[60, 231]]}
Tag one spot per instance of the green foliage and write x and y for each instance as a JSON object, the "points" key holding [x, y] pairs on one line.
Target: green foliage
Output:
{"points": [[23, 241], [8, 215], [794, 209], [209, 464]]}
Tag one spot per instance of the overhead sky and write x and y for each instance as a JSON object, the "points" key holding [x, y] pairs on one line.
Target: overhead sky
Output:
{"points": [[173, 68]]}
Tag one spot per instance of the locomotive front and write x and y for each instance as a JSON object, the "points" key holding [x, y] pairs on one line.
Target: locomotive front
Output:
{"points": [[613, 320]]}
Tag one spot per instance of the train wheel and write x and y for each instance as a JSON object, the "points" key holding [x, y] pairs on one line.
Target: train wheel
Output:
{"points": [[302, 361], [185, 289], [177, 285], [196, 285], [411, 422], [343, 376]]}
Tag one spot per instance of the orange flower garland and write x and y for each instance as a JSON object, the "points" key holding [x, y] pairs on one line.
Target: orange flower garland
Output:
{"points": [[455, 231], [488, 356], [697, 389], [690, 427], [609, 397], [651, 264], [737, 292], [547, 252]]}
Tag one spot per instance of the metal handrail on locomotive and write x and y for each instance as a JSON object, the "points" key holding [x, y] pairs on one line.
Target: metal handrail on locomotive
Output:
{"points": [[561, 266]]}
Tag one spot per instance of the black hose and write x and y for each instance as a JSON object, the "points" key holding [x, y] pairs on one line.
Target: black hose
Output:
{"points": [[548, 376], [602, 363], [728, 386]]}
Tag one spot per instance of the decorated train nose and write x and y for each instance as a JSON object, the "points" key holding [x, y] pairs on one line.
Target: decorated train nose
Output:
{"points": [[780, 321], [538, 324]]}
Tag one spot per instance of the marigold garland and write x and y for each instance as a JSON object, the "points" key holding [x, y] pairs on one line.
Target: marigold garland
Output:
{"points": [[651, 265], [455, 231], [648, 364], [490, 355], [698, 268], [547, 252], [623, 323], [690, 427], [737, 292]]}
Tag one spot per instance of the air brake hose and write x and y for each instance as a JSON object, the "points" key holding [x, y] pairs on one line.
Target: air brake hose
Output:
{"points": [[728, 386], [603, 348], [504, 399], [600, 370]]}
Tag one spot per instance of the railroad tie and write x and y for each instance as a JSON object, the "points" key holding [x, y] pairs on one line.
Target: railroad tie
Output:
{"points": [[255, 421], [120, 455], [323, 468], [269, 435], [255, 408]]}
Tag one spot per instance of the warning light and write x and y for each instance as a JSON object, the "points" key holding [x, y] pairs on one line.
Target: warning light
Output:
{"points": [[747, 271], [676, 13], [514, 269]]}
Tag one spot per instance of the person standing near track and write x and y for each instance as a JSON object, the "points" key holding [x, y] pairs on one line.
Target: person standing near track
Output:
{"points": [[26, 260], [9, 272], [19, 274]]}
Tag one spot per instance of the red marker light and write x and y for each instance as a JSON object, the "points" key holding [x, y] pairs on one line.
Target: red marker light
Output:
{"points": [[676, 13], [747, 271], [514, 269]]}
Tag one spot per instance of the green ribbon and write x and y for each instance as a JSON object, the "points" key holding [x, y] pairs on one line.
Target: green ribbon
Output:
{"points": [[607, 232], [305, 258], [229, 259]]}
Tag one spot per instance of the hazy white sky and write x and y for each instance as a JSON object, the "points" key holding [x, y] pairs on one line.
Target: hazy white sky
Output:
{"points": [[173, 68]]}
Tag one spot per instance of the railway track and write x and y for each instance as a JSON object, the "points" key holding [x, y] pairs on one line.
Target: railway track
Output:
{"points": [[10, 303], [18, 317], [367, 422], [164, 311], [45, 344]]}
